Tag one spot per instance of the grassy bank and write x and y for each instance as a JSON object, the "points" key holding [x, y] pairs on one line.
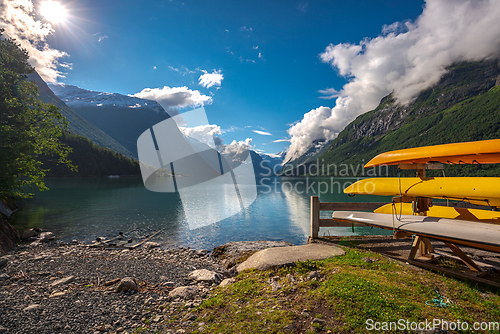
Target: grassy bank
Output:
{"points": [[350, 290]]}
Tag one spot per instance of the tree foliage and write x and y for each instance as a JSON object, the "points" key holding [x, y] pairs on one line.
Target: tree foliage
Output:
{"points": [[28, 127]]}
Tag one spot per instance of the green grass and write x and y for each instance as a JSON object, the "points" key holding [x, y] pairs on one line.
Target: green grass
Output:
{"points": [[349, 292]]}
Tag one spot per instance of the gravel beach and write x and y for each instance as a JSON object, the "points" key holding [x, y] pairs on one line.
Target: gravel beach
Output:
{"points": [[71, 288]]}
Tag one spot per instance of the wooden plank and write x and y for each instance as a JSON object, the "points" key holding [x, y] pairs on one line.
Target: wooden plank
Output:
{"points": [[414, 248], [315, 207], [454, 273], [106, 242], [458, 252], [333, 223], [342, 206], [143, 241]]}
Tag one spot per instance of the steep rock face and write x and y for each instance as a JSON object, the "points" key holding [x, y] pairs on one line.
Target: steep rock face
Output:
{"points": [[462, 81], [463, 106]]}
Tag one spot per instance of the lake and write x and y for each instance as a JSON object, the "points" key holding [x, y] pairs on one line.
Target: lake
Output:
{"points": [[85, 208]]}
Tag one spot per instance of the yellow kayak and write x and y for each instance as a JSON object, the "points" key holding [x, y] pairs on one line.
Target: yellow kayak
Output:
{"points": [[443, 212], [477, 152], [476, 190]]}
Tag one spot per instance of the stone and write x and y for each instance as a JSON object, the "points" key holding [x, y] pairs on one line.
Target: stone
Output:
{"points": [[290, 278], [32, 307], [204, 275], [4, 277], [127, 284], [113, 281], [29, 234], [46, 237], [369, 259], [275, 285], [227, 282], [184, 292], [318, 321], [64, 280], [190, 317], [229, 263], [313, 275], [280, 256], [202, 252], [57, 294], [151, 244], [3, 262]]}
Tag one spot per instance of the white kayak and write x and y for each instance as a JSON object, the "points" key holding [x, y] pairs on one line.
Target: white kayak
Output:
{"points": [[476, 234]]}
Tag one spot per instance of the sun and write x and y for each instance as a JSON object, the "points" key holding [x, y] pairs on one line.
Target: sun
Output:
{"points": [[53, 11]]}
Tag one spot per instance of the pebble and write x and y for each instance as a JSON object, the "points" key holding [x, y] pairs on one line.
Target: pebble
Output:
{"points": [[73, 282]]}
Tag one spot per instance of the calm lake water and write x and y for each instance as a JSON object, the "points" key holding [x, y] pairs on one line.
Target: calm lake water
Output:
{"points": [[85, 208]]}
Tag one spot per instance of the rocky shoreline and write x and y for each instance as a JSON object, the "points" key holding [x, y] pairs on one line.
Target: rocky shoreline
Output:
{"points": [[49, 287]]}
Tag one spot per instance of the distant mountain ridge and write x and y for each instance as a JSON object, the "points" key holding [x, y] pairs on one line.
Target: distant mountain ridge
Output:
{"points": [[122, 117], [463, 106], [77, 124], [75, 96]]}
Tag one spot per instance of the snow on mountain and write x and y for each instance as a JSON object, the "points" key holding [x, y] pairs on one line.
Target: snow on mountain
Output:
{"points": [[274, 161], [78, 97]]}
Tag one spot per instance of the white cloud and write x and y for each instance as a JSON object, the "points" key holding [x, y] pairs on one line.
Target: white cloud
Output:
{"points": [[183, 71], [171, 98], [405, 59], [280, 140], [202, 133], [232, 128], [329, 93], [17, 18], [262, 133], [244, 28], [102, 37], [208, 80], [237, 147]]}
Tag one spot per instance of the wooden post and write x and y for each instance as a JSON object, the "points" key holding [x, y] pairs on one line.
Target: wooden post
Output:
{"points": [[314, 216]]}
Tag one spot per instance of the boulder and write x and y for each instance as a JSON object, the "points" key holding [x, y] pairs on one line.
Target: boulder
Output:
{"points": [[280, 256], [184, 292], [227, 282], [236, 252], [8, 236], [127, 284], [151, 244], [204, 275], [27, 234]]}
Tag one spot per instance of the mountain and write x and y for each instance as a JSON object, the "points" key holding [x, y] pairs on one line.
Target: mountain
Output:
{"points": [[317, 147], [77, 124], [90, 159], [273, 161], [124, 118], [463, 106]]}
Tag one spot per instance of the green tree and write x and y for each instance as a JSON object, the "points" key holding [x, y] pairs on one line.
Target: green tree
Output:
{"points": [[28, 127]]}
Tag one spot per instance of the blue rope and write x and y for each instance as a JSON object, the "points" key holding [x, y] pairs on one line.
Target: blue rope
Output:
{"points": [[440, 301]]}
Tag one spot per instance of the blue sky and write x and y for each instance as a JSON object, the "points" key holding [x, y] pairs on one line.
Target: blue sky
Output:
{"points": [[125, 46], [285, 74]]}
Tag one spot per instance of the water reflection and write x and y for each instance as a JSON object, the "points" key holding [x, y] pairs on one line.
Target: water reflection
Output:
{"points": [[84, 208]]}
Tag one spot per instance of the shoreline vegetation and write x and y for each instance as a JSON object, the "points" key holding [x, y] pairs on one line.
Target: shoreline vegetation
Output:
{"points": [[72, 288]]}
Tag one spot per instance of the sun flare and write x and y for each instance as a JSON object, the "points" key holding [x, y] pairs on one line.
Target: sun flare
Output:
{"points": [[53, 11]]}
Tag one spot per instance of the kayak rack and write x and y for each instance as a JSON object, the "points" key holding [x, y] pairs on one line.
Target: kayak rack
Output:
{"points": [[422, 253]]}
